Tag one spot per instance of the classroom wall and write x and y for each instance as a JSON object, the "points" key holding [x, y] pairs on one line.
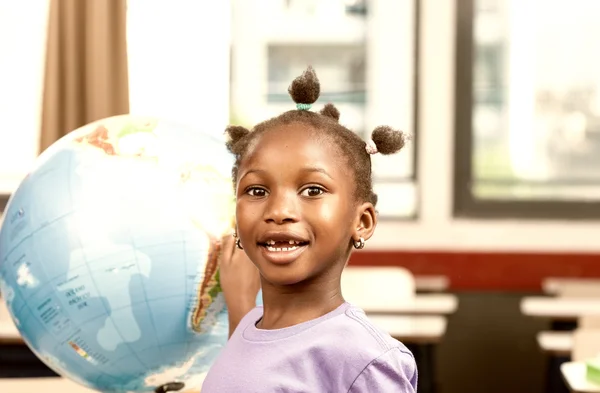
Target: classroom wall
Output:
{"points": [[477, 254]]}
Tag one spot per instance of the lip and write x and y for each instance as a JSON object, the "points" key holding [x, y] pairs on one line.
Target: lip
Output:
{"points": [[281, 236], [282, 257]]}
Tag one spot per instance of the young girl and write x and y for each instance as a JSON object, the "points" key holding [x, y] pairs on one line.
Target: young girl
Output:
{"points": [[304, 199]]}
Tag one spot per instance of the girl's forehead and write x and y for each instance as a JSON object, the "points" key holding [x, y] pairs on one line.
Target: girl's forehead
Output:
{"points": [[283, 137], [292, 144]]}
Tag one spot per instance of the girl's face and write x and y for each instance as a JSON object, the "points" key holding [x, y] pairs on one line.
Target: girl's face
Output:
{"points": [[296, 213]]}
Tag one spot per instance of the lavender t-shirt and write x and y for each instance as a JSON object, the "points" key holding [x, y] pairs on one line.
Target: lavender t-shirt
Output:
{"points": [[339, 352]]}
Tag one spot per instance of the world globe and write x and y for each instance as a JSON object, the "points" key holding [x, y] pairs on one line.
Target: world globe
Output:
{"points": [[109, 254]]}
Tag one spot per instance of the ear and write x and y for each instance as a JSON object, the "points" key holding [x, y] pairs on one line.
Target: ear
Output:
{"points": [[366, 221]]}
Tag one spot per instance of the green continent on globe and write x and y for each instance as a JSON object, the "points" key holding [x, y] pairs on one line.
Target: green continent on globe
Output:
{"points": [[213, 222], [132, 139], [210, 287]]}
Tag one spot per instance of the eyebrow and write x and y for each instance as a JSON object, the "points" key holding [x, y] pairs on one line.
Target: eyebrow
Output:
{"points": [[244, 174], [316, 169], [307, 169]]}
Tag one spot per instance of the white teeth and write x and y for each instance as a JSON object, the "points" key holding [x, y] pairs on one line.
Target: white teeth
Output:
{"points": [[272, 242], [277, 249]]}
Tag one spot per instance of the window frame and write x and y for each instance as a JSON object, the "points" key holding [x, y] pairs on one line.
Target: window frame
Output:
{"points": [[465, 203], [414, 177]]}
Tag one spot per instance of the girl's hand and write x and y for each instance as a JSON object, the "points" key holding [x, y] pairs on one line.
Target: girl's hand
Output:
{"points": [[240, 281]]}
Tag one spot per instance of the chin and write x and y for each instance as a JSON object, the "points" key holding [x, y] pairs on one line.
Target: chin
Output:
{"points": [[283, 277]]}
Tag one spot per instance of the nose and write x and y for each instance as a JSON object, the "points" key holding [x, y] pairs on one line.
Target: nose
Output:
{"points": [[282, 208]]}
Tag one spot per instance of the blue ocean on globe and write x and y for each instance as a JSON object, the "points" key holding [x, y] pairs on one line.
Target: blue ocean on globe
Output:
{"points": [[109, 254]]}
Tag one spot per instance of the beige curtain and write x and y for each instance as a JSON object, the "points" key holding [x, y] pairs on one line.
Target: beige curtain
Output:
{"points": [[86, 75]]}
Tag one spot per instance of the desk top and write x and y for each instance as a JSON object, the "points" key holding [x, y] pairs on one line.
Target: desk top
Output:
{"points": [[8, 331], [431, 283], [559, 308], [414, 329], [3, 311], [556, 343], [554, 285], [423, 304], [574, 375], [30, 385]]}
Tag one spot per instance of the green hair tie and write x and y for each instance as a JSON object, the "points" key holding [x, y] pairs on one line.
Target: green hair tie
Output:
{"points": [[303, 107]]}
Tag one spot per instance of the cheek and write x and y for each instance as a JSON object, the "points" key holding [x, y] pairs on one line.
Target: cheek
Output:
{"points": [[245, 217], [328, 214], [333, 214]]}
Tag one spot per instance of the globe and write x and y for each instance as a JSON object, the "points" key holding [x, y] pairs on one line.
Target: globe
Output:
{"points": [[109, 253]]}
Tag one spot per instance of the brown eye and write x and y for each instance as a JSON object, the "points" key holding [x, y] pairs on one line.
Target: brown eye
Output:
{"points": [[256, 192], [312, 191]]}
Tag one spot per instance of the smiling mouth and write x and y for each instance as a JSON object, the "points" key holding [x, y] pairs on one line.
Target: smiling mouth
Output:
{"points": [[283, 246]]}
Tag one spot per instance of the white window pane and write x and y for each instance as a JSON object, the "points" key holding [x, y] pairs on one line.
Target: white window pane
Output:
{"points": [[537, 191], [396, 200], [178, 53], [22, 51], [398, 165], [536, 114]]}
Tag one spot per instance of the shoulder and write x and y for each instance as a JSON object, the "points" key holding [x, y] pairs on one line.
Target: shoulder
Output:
{"points": [[376, 362], [395, 370], [368, 336], [392, 367]]}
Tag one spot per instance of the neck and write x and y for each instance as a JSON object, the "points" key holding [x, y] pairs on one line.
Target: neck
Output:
{"points": [[288, 305]]}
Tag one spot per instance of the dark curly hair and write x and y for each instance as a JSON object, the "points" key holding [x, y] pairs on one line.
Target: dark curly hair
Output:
{"points": [[305, 90]]}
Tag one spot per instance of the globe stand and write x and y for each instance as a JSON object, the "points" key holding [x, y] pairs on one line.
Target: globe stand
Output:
{"points": [[170, 387]]}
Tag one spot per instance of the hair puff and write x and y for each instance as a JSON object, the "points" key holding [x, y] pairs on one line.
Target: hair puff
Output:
{"points": [[330, 111], [306, 88], [234, 135], [388, 140]]}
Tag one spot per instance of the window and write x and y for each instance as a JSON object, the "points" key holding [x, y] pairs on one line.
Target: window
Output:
{"points": [[365, 57], [528, 109], [179, 61], [21, 81]]}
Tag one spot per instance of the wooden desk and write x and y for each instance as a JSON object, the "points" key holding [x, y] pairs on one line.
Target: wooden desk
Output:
{"points": [[50, 385], [41, 385], [431, 283], [8, 331], [574, 375], [553, 285], [421, 304], [421, 329], [555, 343], [565, 309], [4, 314]]}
